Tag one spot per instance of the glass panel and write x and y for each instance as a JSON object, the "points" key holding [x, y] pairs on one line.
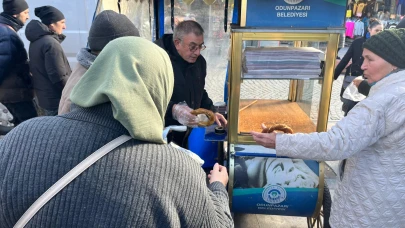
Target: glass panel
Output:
{"points": [[211, 18], [279, 98], [139, 12]]}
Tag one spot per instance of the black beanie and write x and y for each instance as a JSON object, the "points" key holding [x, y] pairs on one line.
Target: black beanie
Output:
{"points": [[389, 45], [107, 26], [49, 14], [13, 7]]}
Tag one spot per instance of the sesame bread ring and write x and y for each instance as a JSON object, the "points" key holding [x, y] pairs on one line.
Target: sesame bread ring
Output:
{"points": [[278, 127], [208, 113]]}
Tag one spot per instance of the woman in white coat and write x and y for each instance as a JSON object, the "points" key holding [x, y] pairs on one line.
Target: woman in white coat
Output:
{"points": [[371, 138]]}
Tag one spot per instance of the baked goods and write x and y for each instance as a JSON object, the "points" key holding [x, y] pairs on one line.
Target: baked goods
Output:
{"points": [[208, 113], [277, 127], [273, 112]]}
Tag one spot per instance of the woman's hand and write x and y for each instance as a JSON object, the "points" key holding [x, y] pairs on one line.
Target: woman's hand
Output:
{"points": [[265, 139], [220, 120], [218, 173], [357, 82]]}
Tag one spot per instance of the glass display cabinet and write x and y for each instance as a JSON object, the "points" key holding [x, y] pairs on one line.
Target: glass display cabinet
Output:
{"points": [[281, 72]]}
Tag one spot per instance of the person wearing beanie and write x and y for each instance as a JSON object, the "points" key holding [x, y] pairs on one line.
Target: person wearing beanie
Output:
{"points": [[49, 65], [354, 54], [362, 85], [16, 92], [107, 26], [142, 183], [371, 138]]}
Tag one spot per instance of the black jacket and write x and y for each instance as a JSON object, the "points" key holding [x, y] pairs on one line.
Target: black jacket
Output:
{"points": [[49, 66], [189, 80], [15, 80], [355, 53]]}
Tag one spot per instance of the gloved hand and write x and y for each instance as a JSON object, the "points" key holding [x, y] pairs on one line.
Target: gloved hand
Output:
{"points": [[182, 113]]}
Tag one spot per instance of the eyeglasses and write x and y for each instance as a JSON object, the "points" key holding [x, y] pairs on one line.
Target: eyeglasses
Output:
{"points": [[194, 47]]}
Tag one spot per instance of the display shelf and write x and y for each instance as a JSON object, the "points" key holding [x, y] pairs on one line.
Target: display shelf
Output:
{"points": [[273, 112], [281, 77]]}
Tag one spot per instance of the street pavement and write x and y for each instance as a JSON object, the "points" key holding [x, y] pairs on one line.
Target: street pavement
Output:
{"points": [[274, 89]]}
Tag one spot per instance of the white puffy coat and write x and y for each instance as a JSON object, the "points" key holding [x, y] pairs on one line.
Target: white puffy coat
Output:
{"points": [[372, 138]]}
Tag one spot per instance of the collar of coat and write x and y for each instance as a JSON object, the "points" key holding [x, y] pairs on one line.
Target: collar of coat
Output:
{"points": [[392, 79], [11, 21], [85, 58]]}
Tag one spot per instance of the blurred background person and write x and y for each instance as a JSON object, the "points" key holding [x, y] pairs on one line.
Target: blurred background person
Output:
{"points": [[48, 63]]}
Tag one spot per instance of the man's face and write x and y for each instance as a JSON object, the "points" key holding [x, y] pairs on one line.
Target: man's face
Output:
{"points": [[190, 46], [23, 16], [58, 27]]}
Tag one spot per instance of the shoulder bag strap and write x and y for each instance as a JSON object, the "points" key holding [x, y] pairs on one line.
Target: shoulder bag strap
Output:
{"points": [[69, 177]]}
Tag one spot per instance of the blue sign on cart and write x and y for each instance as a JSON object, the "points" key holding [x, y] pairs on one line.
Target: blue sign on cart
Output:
{"points": [[276, 186], [296, 13]]}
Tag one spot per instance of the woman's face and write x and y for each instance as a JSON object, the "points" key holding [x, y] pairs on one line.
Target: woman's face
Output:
{"points": [[375, 67], [375, 30]]}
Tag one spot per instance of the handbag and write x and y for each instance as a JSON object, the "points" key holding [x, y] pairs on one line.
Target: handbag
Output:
{"points": [[69, 177]]}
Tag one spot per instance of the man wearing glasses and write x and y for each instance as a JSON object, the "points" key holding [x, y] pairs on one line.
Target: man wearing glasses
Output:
{"points": [[190, 69]]}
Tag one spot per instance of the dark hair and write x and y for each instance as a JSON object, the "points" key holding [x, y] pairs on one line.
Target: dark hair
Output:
{"points": [[373, 23], [187, 27]]}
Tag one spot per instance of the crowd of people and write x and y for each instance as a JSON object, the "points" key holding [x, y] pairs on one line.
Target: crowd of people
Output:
{"points": [[127, 85], [123, 85]]}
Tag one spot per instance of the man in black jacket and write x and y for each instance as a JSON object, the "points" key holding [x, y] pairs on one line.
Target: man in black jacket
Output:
{"points": [[49, 66], [190, 70], [16, 91]]}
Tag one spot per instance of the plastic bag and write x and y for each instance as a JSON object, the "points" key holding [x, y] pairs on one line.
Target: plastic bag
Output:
{"points": [[188, 152], [352, 93]]}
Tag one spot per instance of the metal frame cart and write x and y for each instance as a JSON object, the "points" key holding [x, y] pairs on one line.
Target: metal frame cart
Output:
{"points": [[250, 191]]}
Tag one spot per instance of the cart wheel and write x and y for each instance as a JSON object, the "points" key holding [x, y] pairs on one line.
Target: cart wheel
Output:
{"points": [[325, 212]]}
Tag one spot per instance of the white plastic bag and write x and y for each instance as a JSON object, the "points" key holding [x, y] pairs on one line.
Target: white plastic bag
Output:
{"points": [[188, 152], [352, 92]]}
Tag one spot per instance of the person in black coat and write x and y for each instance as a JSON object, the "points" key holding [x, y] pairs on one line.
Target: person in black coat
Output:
{"points": [[355, 54], [16, 91], [49, 66], [190, 69]]}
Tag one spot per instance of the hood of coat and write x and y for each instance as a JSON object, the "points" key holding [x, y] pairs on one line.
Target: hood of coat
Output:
{"points": [[36, 30]]}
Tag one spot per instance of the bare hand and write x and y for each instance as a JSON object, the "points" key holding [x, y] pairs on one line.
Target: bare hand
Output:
{"points": [[218, 173], [220, 120], [265, 139], [357, 82]]}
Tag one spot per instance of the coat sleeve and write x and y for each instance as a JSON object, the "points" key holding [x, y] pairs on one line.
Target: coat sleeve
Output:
{"points": [[345, 60], [364, 88], [363, 126], [220, 199], [7, 50], [54, 63]]}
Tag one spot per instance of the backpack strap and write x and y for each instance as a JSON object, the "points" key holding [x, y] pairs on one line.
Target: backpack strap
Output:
{"points": [[69, 177]]}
